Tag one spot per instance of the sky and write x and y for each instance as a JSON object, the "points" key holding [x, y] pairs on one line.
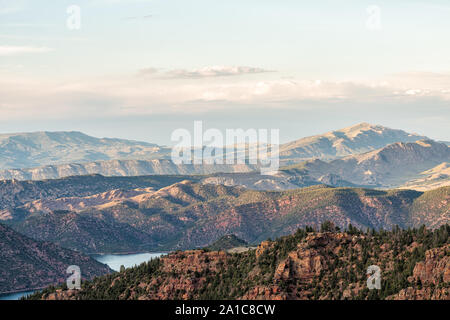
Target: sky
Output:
{"points": [[139, 69]]}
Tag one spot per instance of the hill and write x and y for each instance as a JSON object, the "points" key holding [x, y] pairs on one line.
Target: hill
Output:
{"points": [[190, 215], [15, 193], [309, 265], [227, 242], [29, 264]]}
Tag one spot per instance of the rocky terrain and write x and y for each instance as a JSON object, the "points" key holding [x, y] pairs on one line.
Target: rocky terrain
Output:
{"points": [[14, 193], [29, 264], [191, 215], [414, 264]]}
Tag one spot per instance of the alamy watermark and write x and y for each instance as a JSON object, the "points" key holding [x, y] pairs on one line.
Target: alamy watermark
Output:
{"points": [[257, 147], [74, 281], [374, 279], [373, 21], [73, 21]]}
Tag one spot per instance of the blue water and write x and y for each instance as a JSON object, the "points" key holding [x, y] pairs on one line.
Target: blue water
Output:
{"points": [[114, 261], [15, 296]]}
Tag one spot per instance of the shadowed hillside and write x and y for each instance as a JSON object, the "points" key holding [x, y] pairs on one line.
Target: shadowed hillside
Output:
{"points": [[29, 264]]}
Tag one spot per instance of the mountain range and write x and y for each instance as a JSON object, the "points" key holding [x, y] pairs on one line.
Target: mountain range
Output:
{"points": [[360, 138], [51, 155], [343, 162], [25, 150], [189, 215], [420, 165], [67, 191]]}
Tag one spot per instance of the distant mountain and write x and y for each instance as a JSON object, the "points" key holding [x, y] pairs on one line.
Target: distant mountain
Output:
{"points": [[391, 166], [190, 215], [356, 139], [29, 264], [52, 155], [420, 165], [307, 265], [35, 149]]}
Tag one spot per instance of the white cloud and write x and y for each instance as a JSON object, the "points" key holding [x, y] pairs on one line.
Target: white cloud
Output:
{"points": [[15, 50], [131, 95], [206, 72]]}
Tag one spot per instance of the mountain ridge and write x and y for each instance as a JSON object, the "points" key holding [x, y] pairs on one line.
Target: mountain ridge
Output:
{"points": [[50, 155], [359, 138], [25, 150], [189, 215]]}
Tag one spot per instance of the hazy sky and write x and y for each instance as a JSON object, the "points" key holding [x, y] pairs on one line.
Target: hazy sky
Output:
{"points": [[141, 68]]}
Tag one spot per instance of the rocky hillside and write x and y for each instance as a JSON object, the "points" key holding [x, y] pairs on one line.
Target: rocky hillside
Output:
{"points": [[29, 264], [25, 150], [191, 215], [360, 138], [100, 201], [414, 264], [15, 193]]}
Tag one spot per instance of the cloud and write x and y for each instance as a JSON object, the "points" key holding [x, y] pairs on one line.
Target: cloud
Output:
{"points": [[133, 96], [421, 81], [148, 71], [15, 50], [206, 72]]}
